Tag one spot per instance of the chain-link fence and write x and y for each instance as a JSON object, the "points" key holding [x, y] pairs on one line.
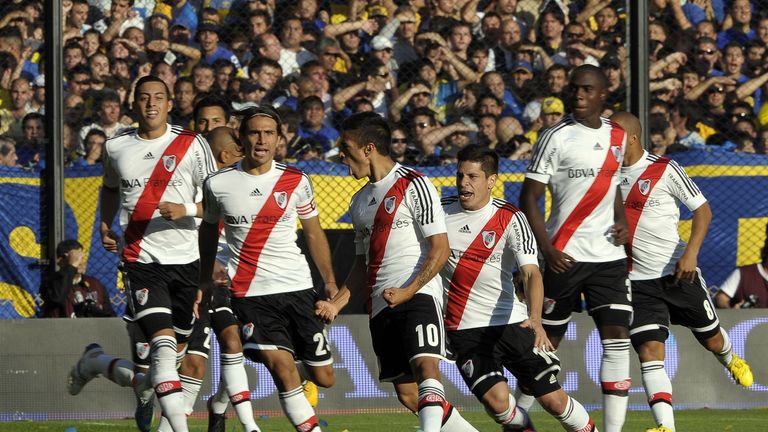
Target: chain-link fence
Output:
{"points": [[444, 73]]}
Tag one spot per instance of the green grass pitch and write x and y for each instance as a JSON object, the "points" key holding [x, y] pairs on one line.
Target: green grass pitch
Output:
{"points": [[754, 420]]}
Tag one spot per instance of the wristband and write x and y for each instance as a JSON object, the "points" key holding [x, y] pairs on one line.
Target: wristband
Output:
{"points": [[191, 209]]}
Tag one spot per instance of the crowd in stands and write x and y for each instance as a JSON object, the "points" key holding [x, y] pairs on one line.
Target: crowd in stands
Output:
{"points": [[444, 72]]}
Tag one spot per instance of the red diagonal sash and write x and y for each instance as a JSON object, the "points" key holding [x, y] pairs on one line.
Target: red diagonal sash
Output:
{"points": [[261, 228], [471, 264], [595, 194], [153, 193], [382, 226], [635, 202]]}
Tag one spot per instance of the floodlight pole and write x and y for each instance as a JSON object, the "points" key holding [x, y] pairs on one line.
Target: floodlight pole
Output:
{"points": [[638, 55]]}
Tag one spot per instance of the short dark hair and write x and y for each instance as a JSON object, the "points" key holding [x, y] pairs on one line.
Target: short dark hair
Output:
{"points": [[259, 111], [108, 95], [148, 79], [309, 100], [488, 159], [369, 127], [592, 70], [212, 101], [65, 246], [32, 116], [6, 145]]}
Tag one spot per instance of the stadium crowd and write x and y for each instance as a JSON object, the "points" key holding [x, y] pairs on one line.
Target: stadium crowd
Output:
{"points": [[444, 73]]}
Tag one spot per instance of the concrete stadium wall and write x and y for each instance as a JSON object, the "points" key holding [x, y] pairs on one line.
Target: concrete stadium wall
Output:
{"points": [[37, 355]]}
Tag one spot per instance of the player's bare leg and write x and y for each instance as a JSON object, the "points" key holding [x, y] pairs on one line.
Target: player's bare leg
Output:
{"points": [[282, 367], [435, 412], [720, 346]]}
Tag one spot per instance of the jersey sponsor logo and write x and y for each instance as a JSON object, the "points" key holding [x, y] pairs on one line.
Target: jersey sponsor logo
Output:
{"points": [[146, 181], [142, 350], [468, 368], [389, 204], [255, 193], [142, 296], [644, 186], [255, 218], [149, 156], [169, 163], [493, 258], [575, 173], [465, 230], [281, 198], [379, 228], [549, 305], [489, 239], [597, 147], [372, 201], [247, 331]]}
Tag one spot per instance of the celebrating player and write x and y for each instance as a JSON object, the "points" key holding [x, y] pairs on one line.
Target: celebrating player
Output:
{"points": [[666, 284], [143, 169], [488, 327], [578, 159], [271, 286], [401, 245]]}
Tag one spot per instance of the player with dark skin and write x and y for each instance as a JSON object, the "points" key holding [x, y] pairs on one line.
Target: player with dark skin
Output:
{"points": [[588, 94]]}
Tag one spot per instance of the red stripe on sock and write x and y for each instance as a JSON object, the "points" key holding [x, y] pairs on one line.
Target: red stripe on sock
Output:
{"points": [[308, 425], [167, 387], [240, 397], [660, 397]]}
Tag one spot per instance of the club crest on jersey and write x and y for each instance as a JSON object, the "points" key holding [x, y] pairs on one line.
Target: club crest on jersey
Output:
{"points": [[389, 204], [468, 368], [169, 163], [142, 350], [549, 305], [247, 331], [489, 239], [616, 150], [644, 186], [142, 296], [281, 198]]}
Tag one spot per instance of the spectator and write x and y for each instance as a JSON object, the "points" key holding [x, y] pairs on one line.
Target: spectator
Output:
{"points": [[30, 148], [94, 146], [746, 286], [10, 117], [185, 93], [72, 293], [740, 32], [208, 36], [293, 55], [8, 157], [107, 119], [312, 126]]}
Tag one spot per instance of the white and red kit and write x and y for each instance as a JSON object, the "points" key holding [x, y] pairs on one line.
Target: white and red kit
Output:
{"points": [[168, 168], [486, 245], [653, 189], [392, 218], [580, 166], [259, 213]]}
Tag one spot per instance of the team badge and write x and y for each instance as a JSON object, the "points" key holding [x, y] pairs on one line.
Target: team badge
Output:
{"points": [[281, 198], [389, 204], [616, 150], [142, 296], [489, 239], [169, 163], [142, 350], [644, 186], [549, 305], [247, 331], [468, 368]]}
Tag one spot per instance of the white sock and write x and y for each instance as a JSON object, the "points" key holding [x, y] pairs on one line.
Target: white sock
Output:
{"points": [[220, 400], [658, 388], [190, 387], [524, 401], [164, 425], [575, 418], [512, 416], [166, 382], [454, 422], [299, 411], [726, 355], [236, 381], [615, 380], [432, 405]]}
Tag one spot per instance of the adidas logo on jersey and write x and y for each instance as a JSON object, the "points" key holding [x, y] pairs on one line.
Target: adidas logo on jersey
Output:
{"points": [[597, 147], [373, 201], [625, 181], [256, 193], [465, 230], [149, 156]]}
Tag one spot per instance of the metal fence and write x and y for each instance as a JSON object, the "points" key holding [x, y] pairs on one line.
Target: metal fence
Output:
{"points": [[447, 73]]}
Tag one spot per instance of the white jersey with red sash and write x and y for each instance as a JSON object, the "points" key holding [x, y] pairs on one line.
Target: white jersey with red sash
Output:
{"points": [[259, 213], [653, 189], [392, 218], [580, 166], [168, 168], [486, 246]]}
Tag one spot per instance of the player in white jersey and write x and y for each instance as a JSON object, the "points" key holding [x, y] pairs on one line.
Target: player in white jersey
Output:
{"points": [[401, 245], [578, 160], [145, 169], [666, 283], [271, 287], [488, 327]]}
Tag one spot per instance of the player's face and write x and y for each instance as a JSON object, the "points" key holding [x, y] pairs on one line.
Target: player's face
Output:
{"points": [[209, 118], [260, 141], [474, 185], [588, 94], [152, 106], [354, 156]]}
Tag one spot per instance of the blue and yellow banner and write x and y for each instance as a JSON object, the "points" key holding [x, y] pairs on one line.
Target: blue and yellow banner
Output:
{"points": [[735, 184]]}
